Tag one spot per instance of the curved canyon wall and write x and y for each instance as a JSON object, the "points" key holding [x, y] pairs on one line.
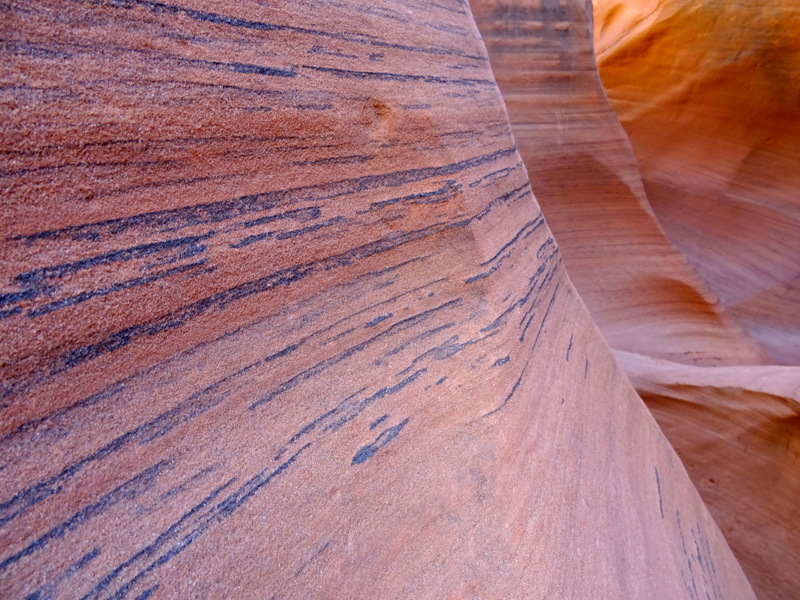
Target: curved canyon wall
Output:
{"points": [[709, 93], [671, 334], [282, 318], [640, 290]]}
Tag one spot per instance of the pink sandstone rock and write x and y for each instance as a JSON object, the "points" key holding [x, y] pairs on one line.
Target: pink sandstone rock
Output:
{"points": [[282, 318], [648, 302]]}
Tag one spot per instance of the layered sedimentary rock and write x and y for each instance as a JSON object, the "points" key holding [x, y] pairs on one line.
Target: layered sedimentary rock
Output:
{"points": [[640, 290], [736, 429], [709, 93], [648, 302], [282, 318]]}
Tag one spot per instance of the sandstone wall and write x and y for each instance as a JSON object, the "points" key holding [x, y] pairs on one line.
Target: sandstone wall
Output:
{"points": [[282, 318]]}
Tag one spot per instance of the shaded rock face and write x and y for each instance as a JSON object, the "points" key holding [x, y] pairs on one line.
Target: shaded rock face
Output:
{"points": [[282, 318], [670, 332], [709, 93], [641, 291], [736, 429]]}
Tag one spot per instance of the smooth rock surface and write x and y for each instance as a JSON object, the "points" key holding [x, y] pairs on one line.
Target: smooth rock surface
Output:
{"points": [[641, 291], [709, 93], [282, 318], [736, 429]]}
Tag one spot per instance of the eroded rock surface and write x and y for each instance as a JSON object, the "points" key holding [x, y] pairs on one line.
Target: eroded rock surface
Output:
{"points": [[282, 318], [738, 441], [647, 301], [640, 290], [709, 93]]}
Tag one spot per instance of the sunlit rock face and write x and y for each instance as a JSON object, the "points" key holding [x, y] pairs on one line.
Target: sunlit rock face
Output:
{"points": [[709, 93], [282, 318]]}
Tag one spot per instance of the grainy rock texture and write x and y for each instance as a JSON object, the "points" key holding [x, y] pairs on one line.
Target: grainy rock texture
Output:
{"points": [[736, 429], [282, 318], [738, 441]]}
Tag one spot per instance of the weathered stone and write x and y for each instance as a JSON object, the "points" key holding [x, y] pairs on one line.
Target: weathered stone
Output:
{"points": [[283, 319]]}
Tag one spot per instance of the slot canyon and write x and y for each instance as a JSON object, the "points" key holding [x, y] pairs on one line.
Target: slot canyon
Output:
{"points": [[400, 299]]}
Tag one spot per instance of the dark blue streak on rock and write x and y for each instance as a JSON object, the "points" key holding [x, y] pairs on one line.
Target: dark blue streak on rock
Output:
{"points": [[218, 19], [327, 363], [319, 420], [501, 361], [12, 297], [352, 409], [316, 554], [494, 175], [197, 404], [105, 291], [418, 338], [569, 348], [171, 532], [442, 194], [147, 593], [534, 285], [445, 350], [186, 485], [510, 394], [586, 369], [546, 245], [222, 210], [544, 318], [377, 320], [377, 422], [310, 427], [237, 67], [336, 160], [190, 246], [658, 488], [399, 77], [301, 214], [10, 312], [34, 424], [130, 490], [386, 436], [526, 230], [285, 235], [442, 380], [189, 532], [48, 590], [689, 560], [513, 195], [221, 299], [317, 49]]}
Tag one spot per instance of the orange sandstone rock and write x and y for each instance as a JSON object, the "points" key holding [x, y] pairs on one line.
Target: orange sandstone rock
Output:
{"points": [[647, 301], [736, 429], [640, 290], [282, 318], [709, 93]]}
